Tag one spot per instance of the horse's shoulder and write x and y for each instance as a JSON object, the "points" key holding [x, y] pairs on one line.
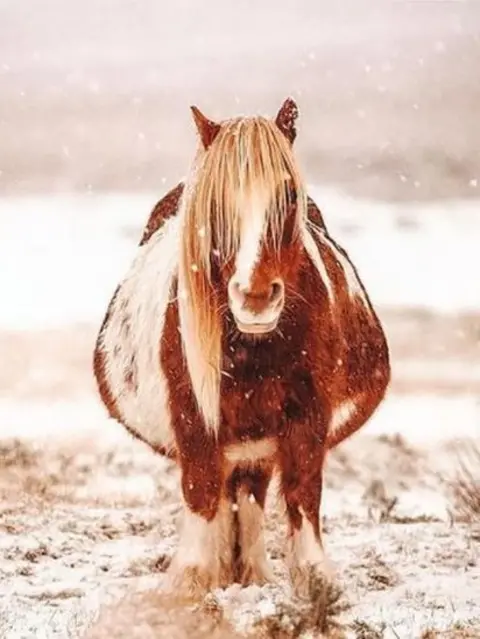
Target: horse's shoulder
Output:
{"points": [[163, 210]]}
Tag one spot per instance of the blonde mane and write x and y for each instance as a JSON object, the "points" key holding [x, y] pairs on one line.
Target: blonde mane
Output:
{"points": [[249, 155]]}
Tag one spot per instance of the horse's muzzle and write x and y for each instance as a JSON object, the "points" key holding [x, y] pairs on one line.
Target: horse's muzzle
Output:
{"points": [[256, 312]]}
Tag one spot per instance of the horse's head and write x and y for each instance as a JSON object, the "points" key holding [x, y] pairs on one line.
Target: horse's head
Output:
{"points": [[246, 209], [244, 216]]}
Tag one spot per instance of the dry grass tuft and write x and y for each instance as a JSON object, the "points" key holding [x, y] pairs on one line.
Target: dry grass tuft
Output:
{"points": [[151, 615], [364, 630], [466, 486], [17, 454], [379, 503], [318, 615], [457, 631], [380, 575]]}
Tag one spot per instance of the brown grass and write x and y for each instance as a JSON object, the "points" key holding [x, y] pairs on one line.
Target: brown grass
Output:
{"points": [[466, 486], [152, 615], [319, 615], [457, 631], [364, 630]]}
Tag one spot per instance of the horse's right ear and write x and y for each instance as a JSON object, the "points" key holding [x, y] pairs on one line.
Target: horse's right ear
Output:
{"points": [[285, 119], [207, 129]]}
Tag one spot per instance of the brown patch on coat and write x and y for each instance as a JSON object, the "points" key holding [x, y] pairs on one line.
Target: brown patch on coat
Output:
{"points": [[164, 209]]}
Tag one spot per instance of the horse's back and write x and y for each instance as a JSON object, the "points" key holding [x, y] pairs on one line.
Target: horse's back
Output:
{"points": [[127, 364]]}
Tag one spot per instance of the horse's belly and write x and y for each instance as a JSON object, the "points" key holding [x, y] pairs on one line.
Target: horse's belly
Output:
{"points": [[129, 342]]}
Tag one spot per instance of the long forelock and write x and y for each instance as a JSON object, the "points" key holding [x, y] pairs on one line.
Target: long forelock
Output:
{"points": [[249, 161]]}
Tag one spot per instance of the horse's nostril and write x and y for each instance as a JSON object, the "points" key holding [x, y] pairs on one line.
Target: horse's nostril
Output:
{"points": [[276, 291], [236, 291]]}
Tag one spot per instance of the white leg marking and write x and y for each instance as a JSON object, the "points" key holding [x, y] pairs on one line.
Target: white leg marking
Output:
{"points": [[204, 556], [306, 557], [305, 547], [131, 338], [256, 568]]}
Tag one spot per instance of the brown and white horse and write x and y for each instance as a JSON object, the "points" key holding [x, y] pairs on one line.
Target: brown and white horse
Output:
{"points": [[242, 343]]}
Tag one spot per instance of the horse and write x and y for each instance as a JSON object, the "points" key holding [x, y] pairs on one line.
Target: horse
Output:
{"points": [[242, 343]]}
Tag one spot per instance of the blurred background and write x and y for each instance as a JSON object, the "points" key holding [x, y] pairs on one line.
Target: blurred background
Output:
{"points": [[95, 127], [95, 94]]}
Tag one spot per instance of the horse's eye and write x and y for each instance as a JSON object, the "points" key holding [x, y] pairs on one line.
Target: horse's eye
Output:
{"points": [[291, 196]]}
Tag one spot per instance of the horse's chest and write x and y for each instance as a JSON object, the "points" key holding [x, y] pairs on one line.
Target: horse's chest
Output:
{"points": [[259, 402]]}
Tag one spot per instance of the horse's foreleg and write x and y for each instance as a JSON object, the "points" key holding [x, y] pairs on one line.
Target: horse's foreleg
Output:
{"points": [[248, 491], [203, 557], [302, 453]]}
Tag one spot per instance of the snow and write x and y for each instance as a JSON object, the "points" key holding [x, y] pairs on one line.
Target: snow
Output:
{"points": [[62, 257]]}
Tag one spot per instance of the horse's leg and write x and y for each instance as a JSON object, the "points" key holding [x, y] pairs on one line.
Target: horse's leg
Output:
{"points": [[203, 557], [301, 458], [248, 489]]}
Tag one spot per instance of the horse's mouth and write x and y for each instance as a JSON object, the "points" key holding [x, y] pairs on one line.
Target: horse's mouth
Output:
{"points": [[256, 328]]}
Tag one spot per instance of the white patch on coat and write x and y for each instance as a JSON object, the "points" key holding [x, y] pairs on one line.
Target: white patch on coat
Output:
{"points": [[141, 304], [254, 210], [250, 452], [342, 414], [355, 289], [314, 253]]}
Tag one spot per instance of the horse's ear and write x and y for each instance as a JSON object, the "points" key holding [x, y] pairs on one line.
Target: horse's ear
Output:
{"points": [[207, 129], [285, 119]]}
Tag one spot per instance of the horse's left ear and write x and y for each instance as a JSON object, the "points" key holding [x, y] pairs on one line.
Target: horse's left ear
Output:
{"points": [[207, 129], [285, 119]]}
